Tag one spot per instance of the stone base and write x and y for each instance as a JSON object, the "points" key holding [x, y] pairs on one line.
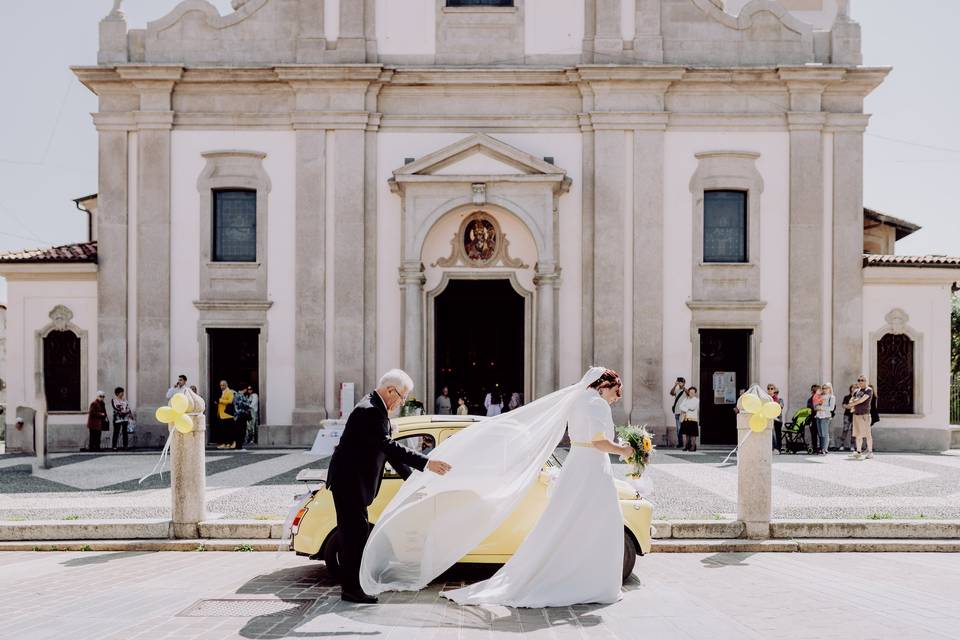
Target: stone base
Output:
{"points": [[184, 530]]}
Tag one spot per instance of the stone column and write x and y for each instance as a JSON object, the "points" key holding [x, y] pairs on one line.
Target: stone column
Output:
{"points": [[188, 474], [754, 478], [647, 383], [609, 293], [805, 334], [112, 251], [847, 248], [586, 242], [412, 281], [310, 278], [349, 242], [547, 280]]}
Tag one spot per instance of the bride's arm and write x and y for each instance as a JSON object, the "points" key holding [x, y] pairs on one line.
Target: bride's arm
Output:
{"points": [[607, 446]]}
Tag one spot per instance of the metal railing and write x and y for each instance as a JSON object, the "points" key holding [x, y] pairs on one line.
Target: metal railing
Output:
{"points": [[955, 401]]}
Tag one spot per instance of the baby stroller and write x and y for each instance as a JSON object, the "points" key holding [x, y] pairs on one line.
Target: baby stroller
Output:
{"points": [[793, 432]]}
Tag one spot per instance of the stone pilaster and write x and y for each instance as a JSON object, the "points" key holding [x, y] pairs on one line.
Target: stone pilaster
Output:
{"points": [[806, 260], [847, 247], [648, 38], [310, 278], [608, 41], [589, 30], [411, 282], [547, 281], [349, 258], [648, 312], [586, 242], [352, 42], [113, 39], [311, 38]]}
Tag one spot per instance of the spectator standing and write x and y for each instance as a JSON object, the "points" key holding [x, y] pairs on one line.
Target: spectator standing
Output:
{"points": [[515, 401], [178, 386], [493, 403], [443, 403], [678, 391], [241, 418], [825, 411], [774, 394], [253, 424], [846, 433], [121, 417], [226, 416], [812, 403], [860, 403], [462, 409], [874, 408], [690, 418], [97, 420]]}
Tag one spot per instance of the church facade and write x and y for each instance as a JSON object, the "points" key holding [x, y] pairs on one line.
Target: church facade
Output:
{"points": [[492, 195]]}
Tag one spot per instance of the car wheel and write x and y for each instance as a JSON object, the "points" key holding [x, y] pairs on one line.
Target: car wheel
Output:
{"points": [[629, 555], [331, 554]]}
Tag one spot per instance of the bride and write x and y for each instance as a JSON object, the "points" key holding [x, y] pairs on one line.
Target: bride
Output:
{"points": [[573, 555]]}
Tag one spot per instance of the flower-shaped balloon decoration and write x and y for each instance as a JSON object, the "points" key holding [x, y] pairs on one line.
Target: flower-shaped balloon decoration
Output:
{"points": [[761, 409], [176, 413]]}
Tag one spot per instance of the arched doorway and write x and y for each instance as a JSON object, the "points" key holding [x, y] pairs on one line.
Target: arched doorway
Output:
{"points": [[479, 341]]}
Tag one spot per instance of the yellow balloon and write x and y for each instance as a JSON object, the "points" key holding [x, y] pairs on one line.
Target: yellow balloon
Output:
{"points": [[771, 410], [183, 424], [750, 403], [166, 415], [179, 403], [757, 422]]}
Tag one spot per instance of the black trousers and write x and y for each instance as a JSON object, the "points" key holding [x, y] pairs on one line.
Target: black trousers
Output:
{"points": [[94, 440], [119, 427], [354, 528]]}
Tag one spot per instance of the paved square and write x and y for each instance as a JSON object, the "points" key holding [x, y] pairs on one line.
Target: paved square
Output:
{"points": [[194, 596]]}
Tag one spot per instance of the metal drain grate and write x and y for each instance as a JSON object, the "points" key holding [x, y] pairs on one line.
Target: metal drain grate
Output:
{"points": [[245, 608]]}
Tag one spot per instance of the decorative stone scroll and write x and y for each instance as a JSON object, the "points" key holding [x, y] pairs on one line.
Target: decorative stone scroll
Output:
{"points": [[479, 242]]}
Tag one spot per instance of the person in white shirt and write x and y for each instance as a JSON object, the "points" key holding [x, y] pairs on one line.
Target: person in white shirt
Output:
{"points": [[825, 410], [178, 386], [690, 418], [493, 403]]}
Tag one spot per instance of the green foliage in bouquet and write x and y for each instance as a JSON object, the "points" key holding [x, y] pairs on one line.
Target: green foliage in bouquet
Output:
{"points": [[412, 407], [642, 442]]}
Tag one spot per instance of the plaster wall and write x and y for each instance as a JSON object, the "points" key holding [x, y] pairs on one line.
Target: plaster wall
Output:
{"points": [[679, 165], [406, 28], [928, 306], [820, 14], [186, 166], [553, 27]]}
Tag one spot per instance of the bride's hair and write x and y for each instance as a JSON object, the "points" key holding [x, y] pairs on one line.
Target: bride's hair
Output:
{"points": [[609, 378]]}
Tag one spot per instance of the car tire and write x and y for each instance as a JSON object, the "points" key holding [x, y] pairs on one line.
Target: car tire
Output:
{"points": [[629, 555], [331, 554]]}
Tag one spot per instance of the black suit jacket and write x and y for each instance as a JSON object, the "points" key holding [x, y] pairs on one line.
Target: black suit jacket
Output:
{"points": [[365, 446]]}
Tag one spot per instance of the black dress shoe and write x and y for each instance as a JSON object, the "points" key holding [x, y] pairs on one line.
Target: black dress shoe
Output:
{"points": [[359, 598]]}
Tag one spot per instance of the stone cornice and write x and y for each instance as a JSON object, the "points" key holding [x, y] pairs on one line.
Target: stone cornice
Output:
{"points": [[943, 275], [54, 271], [806, 120], [624, 73], [478, 76], [329, 73], [852, 122], [649, 120], [114, 121], [329, 119], [233, 305], [153, 119]]}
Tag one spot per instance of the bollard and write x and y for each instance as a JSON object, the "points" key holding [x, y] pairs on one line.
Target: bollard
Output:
{"points": [[754, 478], [188, 473]]}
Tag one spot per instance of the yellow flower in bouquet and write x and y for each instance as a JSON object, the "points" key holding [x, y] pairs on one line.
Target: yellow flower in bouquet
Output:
{"points": [[642, 442]]}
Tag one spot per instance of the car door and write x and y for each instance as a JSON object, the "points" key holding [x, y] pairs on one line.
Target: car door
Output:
{"points": [[423, 442]]}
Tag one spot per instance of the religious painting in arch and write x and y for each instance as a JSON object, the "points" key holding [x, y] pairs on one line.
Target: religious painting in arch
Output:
{"points": [[480, 242], [479, 342]]}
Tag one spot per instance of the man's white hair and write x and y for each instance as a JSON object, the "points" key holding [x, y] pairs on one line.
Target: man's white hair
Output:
{"points": [[396, 378]]}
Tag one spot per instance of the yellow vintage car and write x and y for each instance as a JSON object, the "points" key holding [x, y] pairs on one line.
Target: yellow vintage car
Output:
{"points": [[314, 526]]}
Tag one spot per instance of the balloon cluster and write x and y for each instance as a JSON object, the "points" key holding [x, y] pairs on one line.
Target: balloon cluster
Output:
{"points": [[176, 413], [760, 412]]}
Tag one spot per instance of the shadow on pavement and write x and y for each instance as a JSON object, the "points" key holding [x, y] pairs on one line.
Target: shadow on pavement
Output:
{"points": [[102, 558], [720, 560]]}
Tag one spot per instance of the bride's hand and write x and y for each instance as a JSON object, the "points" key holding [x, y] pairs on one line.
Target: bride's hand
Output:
{"points": [[628, 452]]}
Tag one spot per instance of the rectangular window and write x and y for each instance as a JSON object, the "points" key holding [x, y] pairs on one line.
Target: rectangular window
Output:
{"points": [[725, 226], [234, 226], [479, 3]]}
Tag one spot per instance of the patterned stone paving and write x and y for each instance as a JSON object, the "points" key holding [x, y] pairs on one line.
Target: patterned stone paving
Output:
{"points": [[145, 596], [260, 484]]}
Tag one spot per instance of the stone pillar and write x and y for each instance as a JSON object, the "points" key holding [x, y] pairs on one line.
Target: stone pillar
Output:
{"points": [[113, 39], [609, 293], [412, 281], [845, 40], [848, 248], [311, 39], [806, 261], [589, 30], [352, 42], [547, 280], [349, 259], [188, 475], [310, 278], [648, 39], [586, 242], [754, 478], [608, 42], [112, 252], [647, 379]]}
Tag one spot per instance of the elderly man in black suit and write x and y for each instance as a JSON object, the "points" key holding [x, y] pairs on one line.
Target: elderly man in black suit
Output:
{"points": [[356, 469]]}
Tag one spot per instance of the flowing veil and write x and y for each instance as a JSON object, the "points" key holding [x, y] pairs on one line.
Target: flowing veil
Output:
{"points": [[434, 520]]}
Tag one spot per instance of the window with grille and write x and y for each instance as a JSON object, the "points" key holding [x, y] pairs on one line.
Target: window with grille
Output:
{"points": [[61, 371], [895, 374], [234, 226], [725, 226]]}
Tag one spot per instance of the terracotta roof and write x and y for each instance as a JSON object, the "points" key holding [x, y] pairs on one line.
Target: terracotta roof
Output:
{"points": [[903, 227], [79, 252], [875, 260]]}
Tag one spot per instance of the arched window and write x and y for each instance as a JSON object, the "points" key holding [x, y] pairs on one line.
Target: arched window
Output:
{"points": [[895, 374], [62, 371]]}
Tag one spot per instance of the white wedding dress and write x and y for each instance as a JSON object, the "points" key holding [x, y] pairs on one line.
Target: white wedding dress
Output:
{"points": [[574, 554]]}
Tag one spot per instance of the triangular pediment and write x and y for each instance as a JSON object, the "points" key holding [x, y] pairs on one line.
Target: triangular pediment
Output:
{"points": [[479, 154]]}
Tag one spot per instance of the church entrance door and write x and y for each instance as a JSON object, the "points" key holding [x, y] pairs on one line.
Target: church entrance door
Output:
{"points": [[234, 357], [479, 342], [724, 372]]}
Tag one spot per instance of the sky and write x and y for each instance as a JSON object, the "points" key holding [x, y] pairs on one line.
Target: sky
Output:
{"points": [[48, 145]]}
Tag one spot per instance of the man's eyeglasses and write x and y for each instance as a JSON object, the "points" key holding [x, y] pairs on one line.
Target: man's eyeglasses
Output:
{"points": [[402, 396]]}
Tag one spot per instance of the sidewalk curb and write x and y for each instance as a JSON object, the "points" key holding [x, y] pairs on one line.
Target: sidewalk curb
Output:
{"points": [[196, 545]]}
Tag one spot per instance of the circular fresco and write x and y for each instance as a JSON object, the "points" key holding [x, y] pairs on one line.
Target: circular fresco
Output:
{"points": [[480, 240]]}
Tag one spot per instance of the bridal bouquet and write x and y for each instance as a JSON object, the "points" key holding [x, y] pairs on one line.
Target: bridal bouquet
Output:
{"points": [[642, 442]]}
